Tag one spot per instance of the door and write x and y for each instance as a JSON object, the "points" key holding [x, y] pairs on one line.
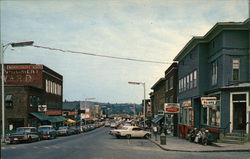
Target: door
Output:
{"points": [[239, 116]]}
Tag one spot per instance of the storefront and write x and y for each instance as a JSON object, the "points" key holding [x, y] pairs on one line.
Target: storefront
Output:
{"points": [[228, 111], [186, 118]]}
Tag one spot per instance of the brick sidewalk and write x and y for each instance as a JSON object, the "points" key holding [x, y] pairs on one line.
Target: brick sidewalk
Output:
{"points": [[177, 144]]}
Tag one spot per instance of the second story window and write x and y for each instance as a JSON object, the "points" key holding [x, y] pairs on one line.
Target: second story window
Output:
{"points": [[184, 84], [166, 85], [191, 80], [9, 101], [214, 73], [171, 82], [195, 79], [236, 69], [188, 82]]}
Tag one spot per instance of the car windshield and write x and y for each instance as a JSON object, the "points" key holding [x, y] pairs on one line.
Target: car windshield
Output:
{"points": [[44, 128], [23, 130], [62, 128], [124, 128]]}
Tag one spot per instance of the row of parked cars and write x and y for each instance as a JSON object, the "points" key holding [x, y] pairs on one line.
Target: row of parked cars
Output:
{"points": [[30, 134]]}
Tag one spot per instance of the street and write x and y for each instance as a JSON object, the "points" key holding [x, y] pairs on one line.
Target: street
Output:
{"points": [[98, 144]]}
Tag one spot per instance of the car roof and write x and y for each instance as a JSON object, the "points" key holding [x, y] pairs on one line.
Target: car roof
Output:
{"points": [[45, 126], [26, 128]]}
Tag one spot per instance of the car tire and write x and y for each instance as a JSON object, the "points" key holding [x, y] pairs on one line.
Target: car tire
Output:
{"points": [[29, 139], [128, 136], [146, 136]]}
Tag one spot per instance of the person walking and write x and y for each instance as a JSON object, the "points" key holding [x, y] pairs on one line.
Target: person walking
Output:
{"points": [[155, 131]]}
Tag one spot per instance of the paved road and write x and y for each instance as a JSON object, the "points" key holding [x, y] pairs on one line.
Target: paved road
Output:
{"points": [[99, 145]]}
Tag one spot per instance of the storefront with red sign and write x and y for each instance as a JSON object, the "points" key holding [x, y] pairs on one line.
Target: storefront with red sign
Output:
{"points": [[186, 118]]}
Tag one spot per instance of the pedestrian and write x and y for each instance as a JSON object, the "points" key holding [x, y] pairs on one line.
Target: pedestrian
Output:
{"points": [[204, 139], [155, 131], [197, 137]]}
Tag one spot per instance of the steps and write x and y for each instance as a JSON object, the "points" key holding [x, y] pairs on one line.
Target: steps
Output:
{"points": [[236, 137]]}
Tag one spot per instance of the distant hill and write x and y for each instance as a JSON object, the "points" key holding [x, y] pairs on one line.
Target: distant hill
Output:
{"points": [[110, 108]]}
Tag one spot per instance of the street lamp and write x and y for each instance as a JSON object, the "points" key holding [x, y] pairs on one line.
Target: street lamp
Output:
{"points": [[3, 48], [144, 101], [85, 107]]}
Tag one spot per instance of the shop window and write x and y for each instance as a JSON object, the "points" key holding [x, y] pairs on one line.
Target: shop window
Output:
{"points": [[9, 101], [210, 114], [187, 116], [236, 69]]}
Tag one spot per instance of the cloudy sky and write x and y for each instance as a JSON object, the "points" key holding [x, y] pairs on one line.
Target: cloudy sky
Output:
{"points": [[143, 29]]}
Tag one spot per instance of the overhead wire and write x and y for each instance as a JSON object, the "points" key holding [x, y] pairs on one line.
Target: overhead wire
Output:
{"points": [[100, 55]]}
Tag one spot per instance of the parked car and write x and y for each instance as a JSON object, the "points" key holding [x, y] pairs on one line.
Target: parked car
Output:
{"points": [[113, 125], [25, 134], [48, 131], [107, 123], [132, 131], [63, 131], [75, 129]]}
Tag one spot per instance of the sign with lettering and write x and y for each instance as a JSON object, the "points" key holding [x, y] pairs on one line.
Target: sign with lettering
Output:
{"points": [[24, 74], [187, 103], [24, 67], [171, 108], [208, 101]]}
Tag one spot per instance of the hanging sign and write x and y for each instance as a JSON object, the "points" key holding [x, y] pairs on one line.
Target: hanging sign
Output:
{"points": [[171, 108], [208, 101]]}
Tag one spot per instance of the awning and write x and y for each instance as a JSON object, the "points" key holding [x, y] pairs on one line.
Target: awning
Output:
{"points": [[43, 117], [157, 119], [56, 119], [70, 121], [40, 116]]}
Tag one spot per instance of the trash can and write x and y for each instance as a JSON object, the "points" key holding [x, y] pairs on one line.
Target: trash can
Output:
{"points": [[163, 139]]}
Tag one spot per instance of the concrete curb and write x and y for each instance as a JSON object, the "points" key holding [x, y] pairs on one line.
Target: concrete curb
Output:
{"points": [[177, 150]]}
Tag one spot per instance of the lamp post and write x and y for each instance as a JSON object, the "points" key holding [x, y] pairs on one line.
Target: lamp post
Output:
{"points": [[3, 48], [85, 107], [144, 101]]}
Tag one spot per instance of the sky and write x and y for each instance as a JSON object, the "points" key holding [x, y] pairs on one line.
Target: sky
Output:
{"points": [[142, 29]]}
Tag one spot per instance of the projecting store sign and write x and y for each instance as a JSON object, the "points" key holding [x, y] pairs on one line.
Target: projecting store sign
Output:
{"points": [[171, 108], [208, 101]]}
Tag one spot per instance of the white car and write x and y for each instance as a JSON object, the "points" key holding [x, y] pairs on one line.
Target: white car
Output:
{"points": [[113, 131], [132, 131]]}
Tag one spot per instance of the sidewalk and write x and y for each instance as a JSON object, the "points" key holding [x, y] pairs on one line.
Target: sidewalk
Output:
{"points": [[182, 145]]}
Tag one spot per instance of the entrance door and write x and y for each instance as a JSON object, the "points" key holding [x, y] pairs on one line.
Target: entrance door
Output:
{"points": [[239, 116]]}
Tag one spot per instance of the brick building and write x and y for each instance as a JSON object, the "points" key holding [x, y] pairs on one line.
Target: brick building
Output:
{"points": [[27, 87]]}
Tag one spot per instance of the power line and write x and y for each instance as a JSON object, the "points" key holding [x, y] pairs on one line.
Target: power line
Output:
{"points": [[99, 55]]}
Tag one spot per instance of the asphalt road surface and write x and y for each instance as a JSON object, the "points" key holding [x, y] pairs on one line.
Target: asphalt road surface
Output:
{"points": [[98, 144]]}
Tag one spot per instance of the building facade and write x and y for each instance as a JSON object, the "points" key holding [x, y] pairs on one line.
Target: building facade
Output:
{"points": [[159, 96], [30, 88], [171, 87], [215, 67]]}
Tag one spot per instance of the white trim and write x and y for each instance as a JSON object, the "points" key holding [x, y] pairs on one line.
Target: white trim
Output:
{"points": [[247, 109]]}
